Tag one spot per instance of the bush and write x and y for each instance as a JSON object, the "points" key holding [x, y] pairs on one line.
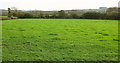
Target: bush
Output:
{"points": [[28, 15], [92, 15], [74, 15], [22, 15], [15, 14], [113, 15], [62, 14]]}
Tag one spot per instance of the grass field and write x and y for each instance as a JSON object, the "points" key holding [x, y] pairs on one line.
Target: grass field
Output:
{"points": [[59, 40], [3, 16]]}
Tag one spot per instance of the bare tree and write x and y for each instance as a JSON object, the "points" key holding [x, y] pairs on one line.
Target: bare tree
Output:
{"points": [[14, 9]]}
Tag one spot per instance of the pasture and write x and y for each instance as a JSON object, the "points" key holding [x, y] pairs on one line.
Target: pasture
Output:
{"points": [[59, 40], [3, 16]]}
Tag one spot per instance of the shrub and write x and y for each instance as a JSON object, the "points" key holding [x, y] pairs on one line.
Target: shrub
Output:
{"points": [[27, 15], [113, 15], [22, 15], [91, 15], [74, 15], [62, 14]]}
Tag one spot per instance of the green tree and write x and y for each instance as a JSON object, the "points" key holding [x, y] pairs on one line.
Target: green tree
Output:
{"points": [[92, 15], [55, 14], [24, 15], [14, 11], [41, 14], [9, 12], [62, 14], [111, 9], [28, 15], [113, 15], [74, 15]]}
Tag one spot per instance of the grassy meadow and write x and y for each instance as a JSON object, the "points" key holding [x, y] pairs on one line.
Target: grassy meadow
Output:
{"points": [[59, 40], [3, 16]]}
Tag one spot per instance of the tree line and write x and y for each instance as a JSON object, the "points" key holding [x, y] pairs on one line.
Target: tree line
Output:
{"points": [[111, 13]]}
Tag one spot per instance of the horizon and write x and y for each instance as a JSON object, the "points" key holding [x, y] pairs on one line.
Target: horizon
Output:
{"points": [[52, 5], [54, 10]]}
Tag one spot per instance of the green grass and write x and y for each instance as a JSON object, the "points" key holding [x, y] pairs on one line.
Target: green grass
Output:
{"points": [[3, 16], [60, 40]]}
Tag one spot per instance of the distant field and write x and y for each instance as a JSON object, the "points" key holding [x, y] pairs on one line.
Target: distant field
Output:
{"points": [[3, 16], [60, 40]]}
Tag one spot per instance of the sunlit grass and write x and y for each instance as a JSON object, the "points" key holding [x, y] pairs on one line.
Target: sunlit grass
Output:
{"points": [[60, 40]]}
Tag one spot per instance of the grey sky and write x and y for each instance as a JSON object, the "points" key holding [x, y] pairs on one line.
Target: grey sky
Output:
{"points": [[57, 4]]}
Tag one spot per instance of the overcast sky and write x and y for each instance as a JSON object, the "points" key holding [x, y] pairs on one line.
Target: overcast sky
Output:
{"points": [[57, 4]]}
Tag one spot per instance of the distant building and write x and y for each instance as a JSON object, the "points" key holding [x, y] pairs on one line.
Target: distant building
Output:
{"points": [[102, 9]]}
